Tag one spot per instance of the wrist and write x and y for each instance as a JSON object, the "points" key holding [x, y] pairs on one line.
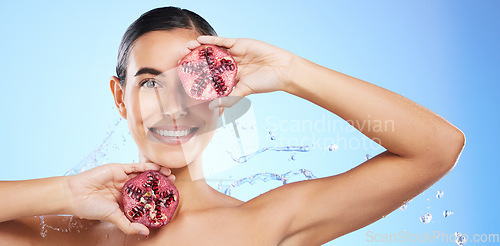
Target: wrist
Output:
{"points": [[294, 81], [63, 197]]}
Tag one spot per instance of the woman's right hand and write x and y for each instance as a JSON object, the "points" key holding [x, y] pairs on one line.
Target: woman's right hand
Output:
{"points": [[96, 194]]}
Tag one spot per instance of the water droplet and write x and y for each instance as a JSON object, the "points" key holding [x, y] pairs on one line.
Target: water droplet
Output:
{"points": [[272, 135], [447, 213], [460, 239], [426, 218], [405, 205], [332, 147], [439, 194], [43, 230], [368, 156]]}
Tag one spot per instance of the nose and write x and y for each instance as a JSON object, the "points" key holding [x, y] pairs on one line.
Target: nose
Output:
{"points": [[171, 106], [174, 114]]}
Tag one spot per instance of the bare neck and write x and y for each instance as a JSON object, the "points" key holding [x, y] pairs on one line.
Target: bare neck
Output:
{"points": [[195, 194]]}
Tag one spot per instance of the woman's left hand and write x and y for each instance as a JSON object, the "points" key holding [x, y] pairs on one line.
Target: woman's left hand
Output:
{"points": [[261, 67]]}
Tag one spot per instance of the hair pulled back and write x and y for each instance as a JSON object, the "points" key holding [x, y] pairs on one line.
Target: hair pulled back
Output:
{"points": [[159, 19]]}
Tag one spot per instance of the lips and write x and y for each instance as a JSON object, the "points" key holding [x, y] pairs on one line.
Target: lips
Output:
{"points": [[173, 135]]}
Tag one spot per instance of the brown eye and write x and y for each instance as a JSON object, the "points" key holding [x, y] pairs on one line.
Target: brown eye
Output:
{"points": [[149, 83]]}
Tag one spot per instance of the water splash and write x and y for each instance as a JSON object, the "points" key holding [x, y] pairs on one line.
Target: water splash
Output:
{"points": [[447, 213], [460, 239], [72, 225], [426, 218], [439, 194], [245, 158], [96, 157], [226, 189]]}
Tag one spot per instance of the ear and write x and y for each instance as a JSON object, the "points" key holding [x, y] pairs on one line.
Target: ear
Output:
{"points": [[119, 95]]}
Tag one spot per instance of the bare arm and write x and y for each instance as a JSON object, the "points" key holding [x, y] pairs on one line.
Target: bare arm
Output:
{"points": [[33, 197], [421, 148], [92, 195]]}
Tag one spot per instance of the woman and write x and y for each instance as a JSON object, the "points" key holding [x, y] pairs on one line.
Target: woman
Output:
{"points": [[421, 149]]}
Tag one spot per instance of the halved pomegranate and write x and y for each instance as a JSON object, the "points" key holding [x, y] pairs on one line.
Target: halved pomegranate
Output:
{"points": [[208, 72], [150, 199]]}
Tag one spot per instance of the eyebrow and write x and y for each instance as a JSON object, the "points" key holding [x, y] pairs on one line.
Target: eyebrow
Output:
{"points": [[148, 70]]}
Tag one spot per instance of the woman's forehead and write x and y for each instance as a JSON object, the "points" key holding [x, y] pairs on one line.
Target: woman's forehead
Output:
{"points": [[159, 49]]}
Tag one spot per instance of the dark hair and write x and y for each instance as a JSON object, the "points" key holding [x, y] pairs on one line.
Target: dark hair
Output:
{"points": [[159, 19]]}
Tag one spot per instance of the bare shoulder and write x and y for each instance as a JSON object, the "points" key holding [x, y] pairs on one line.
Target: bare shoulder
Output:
{"points": [[276, 210]]}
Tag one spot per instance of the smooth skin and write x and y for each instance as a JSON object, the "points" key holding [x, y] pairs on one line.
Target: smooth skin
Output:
{"points": [[422, 149]]}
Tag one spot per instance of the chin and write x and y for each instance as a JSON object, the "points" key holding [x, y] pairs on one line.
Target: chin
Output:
{"points": [[172, 163]]}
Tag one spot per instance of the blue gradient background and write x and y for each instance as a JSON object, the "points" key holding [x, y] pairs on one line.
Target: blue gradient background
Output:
{"points": [[56, 60]]}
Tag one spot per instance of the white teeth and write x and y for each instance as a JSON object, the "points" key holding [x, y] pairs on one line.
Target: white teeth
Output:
{"points": [[167, 133]]}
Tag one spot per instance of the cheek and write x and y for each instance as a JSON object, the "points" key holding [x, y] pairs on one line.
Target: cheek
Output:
{"points": [[143, 111], [210, 117]]}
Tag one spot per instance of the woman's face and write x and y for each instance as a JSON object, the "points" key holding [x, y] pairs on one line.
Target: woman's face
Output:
{"points": [[170, 128]]}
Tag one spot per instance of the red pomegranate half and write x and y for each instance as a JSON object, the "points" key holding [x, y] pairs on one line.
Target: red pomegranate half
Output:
{"points": [[150, 199], [208, 72]]}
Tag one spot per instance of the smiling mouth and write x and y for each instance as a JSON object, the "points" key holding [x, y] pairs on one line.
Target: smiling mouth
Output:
{"points": [[174, 133], [173, 137]]}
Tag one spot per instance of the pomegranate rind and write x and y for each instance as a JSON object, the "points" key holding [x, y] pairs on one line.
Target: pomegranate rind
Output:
{"points": [[130, 202], [192, 68]]}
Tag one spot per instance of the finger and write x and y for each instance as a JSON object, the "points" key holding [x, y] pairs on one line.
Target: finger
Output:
{"points": [[165, 170], [139, 167], [119, 219], [240, 90], [234, 97], [168, 173], [219, 41], [225, 102], [192, 44], [189, 47], [171, 177]]}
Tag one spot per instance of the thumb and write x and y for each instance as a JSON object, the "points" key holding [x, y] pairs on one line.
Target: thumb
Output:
{"points": [[119, 219], [234, 97]]}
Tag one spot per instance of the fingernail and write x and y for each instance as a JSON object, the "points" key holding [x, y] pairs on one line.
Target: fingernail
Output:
{"points": [[211, 105]]}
